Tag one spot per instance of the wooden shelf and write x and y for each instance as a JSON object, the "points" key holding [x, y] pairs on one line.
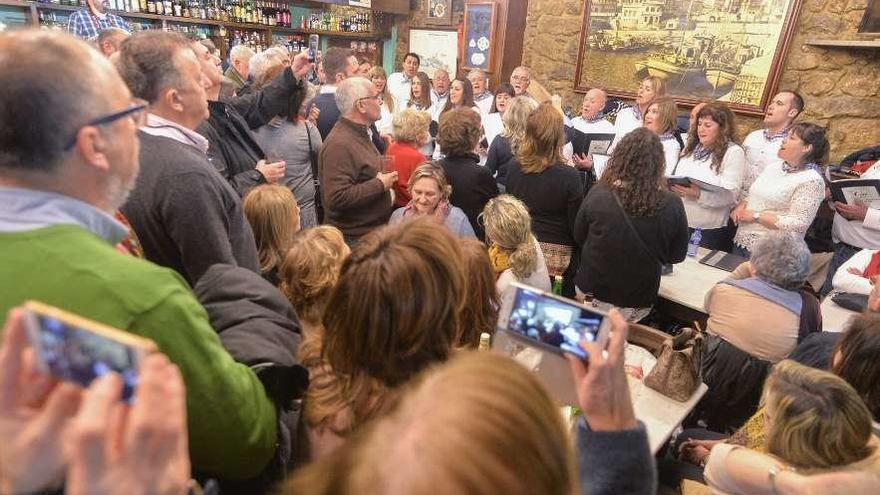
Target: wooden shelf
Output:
{"points": [[868, 44], [203, 22]]}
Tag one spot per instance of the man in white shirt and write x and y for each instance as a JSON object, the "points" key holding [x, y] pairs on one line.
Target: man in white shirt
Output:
{"points": [[440, 88], [591, 121], [400, 83], [856, 227], [520, 79], [762, 146], [482, 96]]}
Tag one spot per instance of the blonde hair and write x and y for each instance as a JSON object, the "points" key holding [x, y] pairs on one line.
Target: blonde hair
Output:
{"points": [[816, 419], [668, 113], [378, 71], [481, 424], [311, 268], [659, 85], [411, 126], [509, 226], [542, 146], [515, 118], [271, 209], [431, 171]]}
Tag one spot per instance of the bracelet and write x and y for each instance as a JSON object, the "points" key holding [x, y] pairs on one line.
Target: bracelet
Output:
{"points": [[772, 473]]}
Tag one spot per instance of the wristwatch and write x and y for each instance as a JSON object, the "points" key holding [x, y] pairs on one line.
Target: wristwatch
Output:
{"points": [[756, 216]]}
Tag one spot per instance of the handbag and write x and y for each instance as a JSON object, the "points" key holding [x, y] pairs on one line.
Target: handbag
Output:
{"points": [[313, 160], [851, 301], [677, 372]]}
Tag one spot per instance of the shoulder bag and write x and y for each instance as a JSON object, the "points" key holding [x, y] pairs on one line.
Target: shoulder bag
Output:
{"points": [[677, 372], [313, 160]]}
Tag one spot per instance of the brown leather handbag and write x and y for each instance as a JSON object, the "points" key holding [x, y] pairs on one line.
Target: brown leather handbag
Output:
{"points": [[677, 372]]}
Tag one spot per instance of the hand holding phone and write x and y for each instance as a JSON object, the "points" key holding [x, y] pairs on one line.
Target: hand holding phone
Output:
{"points": [[600, 380], [34, 414], [78, 350]]}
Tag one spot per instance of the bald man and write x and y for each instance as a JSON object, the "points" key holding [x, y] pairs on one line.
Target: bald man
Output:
{"points": [[592, 119]]}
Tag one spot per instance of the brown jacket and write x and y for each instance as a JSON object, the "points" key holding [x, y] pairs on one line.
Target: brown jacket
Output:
{"points": [[355, 201]]}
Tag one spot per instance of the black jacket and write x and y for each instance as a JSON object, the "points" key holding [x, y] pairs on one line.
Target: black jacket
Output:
{"points": [[498, 158], [553, 196], [614, 265], [232, 147], [472, 187], [259, 328]]}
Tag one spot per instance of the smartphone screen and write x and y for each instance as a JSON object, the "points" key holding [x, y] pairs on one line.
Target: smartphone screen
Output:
{"points": [[80, 355], [551, 321]]}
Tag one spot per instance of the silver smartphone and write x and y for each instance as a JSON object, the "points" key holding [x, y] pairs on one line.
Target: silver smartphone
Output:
{"points": [[313, 47], [79, 350], [551, 322]]}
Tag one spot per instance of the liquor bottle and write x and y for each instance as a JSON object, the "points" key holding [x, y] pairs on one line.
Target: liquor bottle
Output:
{"points": [[151, 6], [142, 5], [485, 341]]}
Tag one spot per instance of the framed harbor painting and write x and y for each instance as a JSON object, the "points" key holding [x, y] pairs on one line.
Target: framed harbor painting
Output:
{"points": [[727, 50]]}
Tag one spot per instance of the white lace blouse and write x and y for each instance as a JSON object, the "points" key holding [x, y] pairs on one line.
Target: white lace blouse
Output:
{"points": [[794, 197]]}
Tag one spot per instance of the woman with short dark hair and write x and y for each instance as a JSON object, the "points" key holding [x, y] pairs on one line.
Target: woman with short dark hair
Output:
{"points": [[472, 185], [787, 195]]}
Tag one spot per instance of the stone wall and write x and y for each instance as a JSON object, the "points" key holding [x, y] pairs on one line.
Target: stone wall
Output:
{"points": [[841, 86]]}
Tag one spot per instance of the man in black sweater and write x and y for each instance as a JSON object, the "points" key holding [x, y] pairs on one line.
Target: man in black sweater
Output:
{"points": [[186, 215]]}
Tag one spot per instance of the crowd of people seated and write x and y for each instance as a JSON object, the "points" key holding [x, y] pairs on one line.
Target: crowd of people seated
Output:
{"points": [[319, 251]]}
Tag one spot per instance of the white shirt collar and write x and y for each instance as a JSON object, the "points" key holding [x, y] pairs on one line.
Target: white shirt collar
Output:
{"points": [[158, 126]]}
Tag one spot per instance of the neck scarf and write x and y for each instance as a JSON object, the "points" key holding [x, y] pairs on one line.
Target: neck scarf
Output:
{"points": [[787, 168], [779, 135], [701, 152], [596, 118], [499, 258]]}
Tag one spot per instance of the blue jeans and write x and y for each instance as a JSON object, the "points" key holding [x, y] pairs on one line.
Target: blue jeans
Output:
{"points": [[842, 253]]}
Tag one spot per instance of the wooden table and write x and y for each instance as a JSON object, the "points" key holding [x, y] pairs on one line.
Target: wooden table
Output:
{"points": [[835, 318]]}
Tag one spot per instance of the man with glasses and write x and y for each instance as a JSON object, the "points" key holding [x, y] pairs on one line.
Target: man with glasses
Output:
{"points": [[70, 158], [520, 79], [354, 188]]}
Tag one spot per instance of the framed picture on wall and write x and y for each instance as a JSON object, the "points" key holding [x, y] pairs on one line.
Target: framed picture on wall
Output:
{"points": [[439, 12], [364, 51], [871, 21], [437, 48], [479, 36], [726, 50]]}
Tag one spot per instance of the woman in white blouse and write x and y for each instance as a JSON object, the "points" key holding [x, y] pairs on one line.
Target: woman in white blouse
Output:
{"points": [[631, 118], [660, 118], [711, 156], [380, 80], [786, 195]]}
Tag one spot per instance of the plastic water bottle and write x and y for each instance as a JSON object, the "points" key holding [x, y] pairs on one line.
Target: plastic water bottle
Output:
{"points": [[694, 243]]}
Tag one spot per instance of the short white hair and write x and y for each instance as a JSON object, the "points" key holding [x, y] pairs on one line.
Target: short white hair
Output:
{"points": [[240, 52], [261, 63], [478, 72], [350, 91], [522, 68]]}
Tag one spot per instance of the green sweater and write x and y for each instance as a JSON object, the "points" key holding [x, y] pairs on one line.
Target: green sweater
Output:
{"points": [[232, 423]]}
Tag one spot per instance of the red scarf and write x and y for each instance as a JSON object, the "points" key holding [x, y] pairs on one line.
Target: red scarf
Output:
{"points": [[873, 267]]}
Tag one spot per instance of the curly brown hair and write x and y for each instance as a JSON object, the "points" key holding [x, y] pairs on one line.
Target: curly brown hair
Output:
{"points": [[634, 172], [721, 115], [481, 311], [460, 131]]}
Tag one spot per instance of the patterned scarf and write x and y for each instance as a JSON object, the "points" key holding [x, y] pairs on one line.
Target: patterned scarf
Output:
{"points": [[791, 168], [701, 152], [599, 116], [779, 135], [499, 258]]}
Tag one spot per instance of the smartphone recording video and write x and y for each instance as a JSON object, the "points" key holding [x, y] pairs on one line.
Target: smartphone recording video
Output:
{"points": [[550, 321], [78, 350], [313, 47]]}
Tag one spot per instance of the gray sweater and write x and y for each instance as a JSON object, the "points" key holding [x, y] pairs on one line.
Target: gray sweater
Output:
{"points": [[185, 214], [615, 462]]}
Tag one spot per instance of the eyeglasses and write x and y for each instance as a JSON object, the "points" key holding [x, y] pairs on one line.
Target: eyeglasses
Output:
{"points": [[377, 97], [137, 111]]}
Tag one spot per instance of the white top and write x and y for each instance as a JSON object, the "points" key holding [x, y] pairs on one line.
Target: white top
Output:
{"points": [[794, 197], [400, 88], [587, 127], [539, 279], [760, 152], [844, 281], [866, 234], [492, 126], [627, 121], [671, 152], [384, 124], [439, 100], [711, 209], [484, 102]]}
